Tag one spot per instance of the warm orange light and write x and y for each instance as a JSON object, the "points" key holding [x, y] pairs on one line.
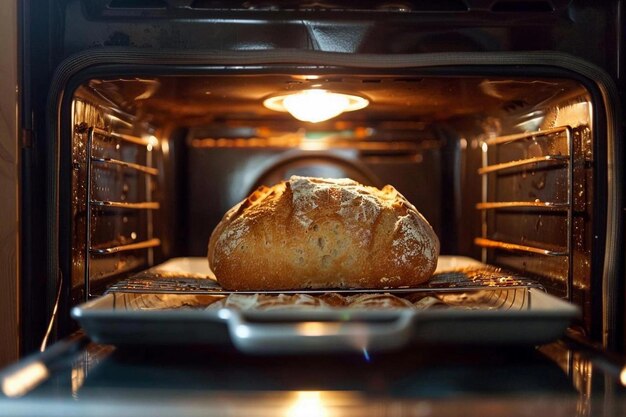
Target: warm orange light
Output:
{"points": [[315, 105], [314, 328], [307, 404], [24, 380]]}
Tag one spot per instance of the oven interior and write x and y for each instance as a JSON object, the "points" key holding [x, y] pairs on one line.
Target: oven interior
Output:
{"points": [[501, 166]]}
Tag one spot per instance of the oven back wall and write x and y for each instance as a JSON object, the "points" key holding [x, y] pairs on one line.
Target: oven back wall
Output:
{"points": [[9, 255], [220, 177]]}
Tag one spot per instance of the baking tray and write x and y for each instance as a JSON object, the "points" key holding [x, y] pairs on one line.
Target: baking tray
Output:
{"points": [[478, 316]]}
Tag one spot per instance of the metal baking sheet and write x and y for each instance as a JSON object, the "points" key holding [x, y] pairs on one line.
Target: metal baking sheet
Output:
{"points": [[497, 316]]}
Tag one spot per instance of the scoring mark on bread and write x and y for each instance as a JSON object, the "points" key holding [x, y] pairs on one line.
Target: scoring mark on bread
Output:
{"points": [[359, 205]]}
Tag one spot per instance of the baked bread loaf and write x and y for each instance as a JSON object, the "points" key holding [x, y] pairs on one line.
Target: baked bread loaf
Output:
{"points": [[322, 233]]}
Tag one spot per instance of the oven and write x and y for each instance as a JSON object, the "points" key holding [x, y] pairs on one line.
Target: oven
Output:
{"points": [[143, 122]]}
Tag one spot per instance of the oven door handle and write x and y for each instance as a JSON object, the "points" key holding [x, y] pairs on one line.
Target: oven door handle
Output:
{"points": [[283, 332]]}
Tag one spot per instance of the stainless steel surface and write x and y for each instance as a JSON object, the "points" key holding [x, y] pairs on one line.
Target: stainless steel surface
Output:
{"points": [[21, 377], [147, 170], [521, 162], [488, 317], [525, 135], [332, 403], [612, 269], [138, 167], [388, 330], [569, 293], [125, 137], [146, 205], [399, 99], [131, 246], [445, 282], [81, 378], [158, 283], [9, 185], [88, 193], [495, 244], [490, 238], [193, 276], [522, 204]]}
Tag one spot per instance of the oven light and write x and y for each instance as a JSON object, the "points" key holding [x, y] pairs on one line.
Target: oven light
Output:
{"points": [[307, 404], [315, 105]]}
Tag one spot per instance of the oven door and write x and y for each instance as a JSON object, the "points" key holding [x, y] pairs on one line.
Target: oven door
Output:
{"points": [[76, 377]]}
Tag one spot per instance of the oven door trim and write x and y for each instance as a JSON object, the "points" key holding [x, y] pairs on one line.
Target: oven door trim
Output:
{"points": [[607, 178]]}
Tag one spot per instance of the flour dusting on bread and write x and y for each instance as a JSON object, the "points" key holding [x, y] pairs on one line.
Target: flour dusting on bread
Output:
{"points": [[410, 240]]}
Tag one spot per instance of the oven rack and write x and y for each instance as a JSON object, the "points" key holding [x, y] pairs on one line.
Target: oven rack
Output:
{"points": [[148, 206], [503, 299], [489, 239], [464, 279]]}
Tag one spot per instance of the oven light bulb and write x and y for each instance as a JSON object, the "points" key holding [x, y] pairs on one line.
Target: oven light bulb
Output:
{"points": [[315, 106]]}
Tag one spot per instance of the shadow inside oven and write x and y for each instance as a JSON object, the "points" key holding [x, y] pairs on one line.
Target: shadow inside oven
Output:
{"points": [[435, 371]]}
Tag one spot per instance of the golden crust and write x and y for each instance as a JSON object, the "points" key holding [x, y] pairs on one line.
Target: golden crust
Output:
{"points": [[322, 233]]}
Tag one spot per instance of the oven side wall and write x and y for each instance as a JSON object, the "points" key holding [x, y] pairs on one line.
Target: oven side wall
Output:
{"points": [[9, 186]]}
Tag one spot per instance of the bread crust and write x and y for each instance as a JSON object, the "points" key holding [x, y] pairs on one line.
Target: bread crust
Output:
{"points": [[322, 233]]}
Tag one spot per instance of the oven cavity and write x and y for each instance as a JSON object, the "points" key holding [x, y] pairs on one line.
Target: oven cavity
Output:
{"points": [[501, 166]]}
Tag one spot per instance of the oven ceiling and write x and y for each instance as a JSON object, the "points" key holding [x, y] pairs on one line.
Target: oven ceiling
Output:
{"points": [[198, 100]]}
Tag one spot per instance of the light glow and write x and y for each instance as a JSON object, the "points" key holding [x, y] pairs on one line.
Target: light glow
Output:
{"points": [[307, 404], [24, 380], [224, 314], [242, 331], [153, 142], [315, 328], [315, 105], [78, 379]]}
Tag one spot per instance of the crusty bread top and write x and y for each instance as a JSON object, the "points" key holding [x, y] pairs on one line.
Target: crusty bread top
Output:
{"points": [[377, 222]]}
